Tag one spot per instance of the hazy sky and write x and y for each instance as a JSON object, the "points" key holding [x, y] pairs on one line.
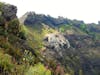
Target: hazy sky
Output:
{"points": [[87, 10]]}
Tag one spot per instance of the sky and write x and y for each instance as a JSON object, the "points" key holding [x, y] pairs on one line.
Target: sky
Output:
{"points": [[86, 10]]}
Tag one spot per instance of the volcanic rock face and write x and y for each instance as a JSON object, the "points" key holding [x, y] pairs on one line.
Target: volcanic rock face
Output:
{"points": [[56, 45], [31, 18], [9, 12], [56, 41]]}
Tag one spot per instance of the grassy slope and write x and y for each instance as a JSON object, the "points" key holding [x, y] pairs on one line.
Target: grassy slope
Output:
{"points": [[35, 34], [38, 69]]}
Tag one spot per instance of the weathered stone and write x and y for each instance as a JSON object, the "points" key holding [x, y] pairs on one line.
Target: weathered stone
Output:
{"points": [[9, 12], [56, 40]]}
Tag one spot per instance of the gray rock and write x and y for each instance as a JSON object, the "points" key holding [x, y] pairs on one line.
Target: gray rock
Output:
{"points": [[57, 41], [56, 46], [9, 12]]}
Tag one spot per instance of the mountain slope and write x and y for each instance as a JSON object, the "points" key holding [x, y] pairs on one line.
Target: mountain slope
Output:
{"points": [[16, 55], [41, 44], [81, 57]]}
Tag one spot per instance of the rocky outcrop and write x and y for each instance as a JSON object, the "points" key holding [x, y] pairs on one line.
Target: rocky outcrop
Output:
{"points": [[23, 18], [30, 18], [10, 28], [56, 45], [9, 12], [56, 41]]}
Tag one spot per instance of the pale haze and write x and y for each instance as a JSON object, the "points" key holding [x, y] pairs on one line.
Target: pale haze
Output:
{"points": [[86, 10]]}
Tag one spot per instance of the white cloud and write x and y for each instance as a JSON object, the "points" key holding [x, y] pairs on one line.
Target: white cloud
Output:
{"points": [[87, 10]]}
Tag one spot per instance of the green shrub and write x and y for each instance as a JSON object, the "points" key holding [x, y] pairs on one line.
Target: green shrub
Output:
{"points": [[83, 27], [13, 27], [22, 35], [5, 62], [38, 69], [65, 27], [28, 57]]}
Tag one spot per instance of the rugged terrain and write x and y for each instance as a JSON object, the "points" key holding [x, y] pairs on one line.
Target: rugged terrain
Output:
{"points": [[38, 44], [72, 43]]}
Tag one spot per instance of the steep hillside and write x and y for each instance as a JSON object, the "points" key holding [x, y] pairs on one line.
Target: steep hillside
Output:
{"points": [[17, 57], [37, 44], [71, 43]]}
